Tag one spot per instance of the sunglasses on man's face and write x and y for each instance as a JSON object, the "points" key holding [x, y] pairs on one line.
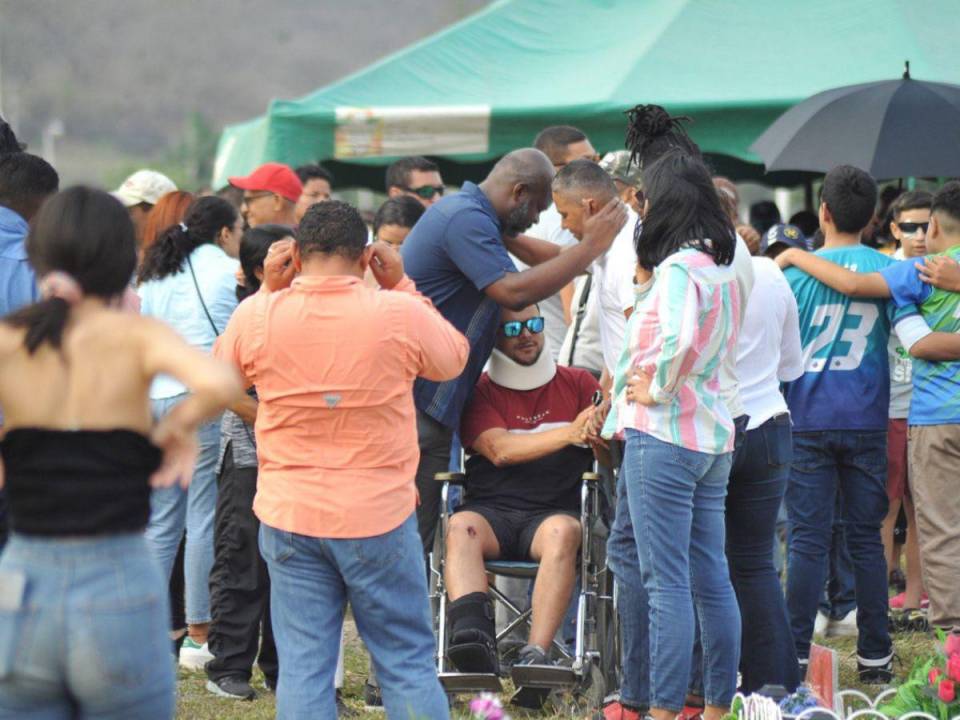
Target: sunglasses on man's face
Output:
{"points": [[426, 191], [513, 328], [909, 228]]}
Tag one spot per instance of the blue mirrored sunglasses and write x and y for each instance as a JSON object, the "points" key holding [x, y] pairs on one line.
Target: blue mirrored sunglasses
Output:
{"points": [[515, 327]]}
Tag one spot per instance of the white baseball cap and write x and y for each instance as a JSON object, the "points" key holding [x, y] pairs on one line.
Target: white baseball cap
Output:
{"points": [[144, 186]]}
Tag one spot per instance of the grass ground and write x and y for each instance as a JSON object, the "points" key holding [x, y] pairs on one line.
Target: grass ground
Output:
{"points": [[195, 703]]}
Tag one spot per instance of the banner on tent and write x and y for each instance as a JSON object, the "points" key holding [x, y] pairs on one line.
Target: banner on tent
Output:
{"points": [[398, 131]]}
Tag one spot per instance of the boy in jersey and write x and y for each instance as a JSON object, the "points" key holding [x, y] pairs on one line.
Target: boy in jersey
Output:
{"points": [[839, 411], [934, 420]]}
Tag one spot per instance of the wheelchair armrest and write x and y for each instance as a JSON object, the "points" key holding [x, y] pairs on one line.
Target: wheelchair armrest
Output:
{"points": [[591, 477], [454, 478]]}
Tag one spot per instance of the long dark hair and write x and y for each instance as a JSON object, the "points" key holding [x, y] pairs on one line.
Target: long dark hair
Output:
{"points": [[254, 245], [204, 220], [684, 211], [87, 234]]}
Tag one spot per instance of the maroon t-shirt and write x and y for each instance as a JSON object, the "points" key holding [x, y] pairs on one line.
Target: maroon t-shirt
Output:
{"points": [[550, 483]]}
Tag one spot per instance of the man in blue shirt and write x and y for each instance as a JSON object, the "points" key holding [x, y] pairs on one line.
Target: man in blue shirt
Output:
{"points": [[25, 182], [456, 256]]}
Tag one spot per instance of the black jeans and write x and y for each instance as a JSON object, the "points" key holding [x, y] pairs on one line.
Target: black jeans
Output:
{"points": [[434, 439], [758, 481], [239, 583]]}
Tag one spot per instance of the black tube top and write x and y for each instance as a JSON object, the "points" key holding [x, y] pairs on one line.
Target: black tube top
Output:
{"points": [[82, 482]]}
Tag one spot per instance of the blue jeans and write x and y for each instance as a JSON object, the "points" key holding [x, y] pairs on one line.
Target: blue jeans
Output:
{"points": [[675, 499], [839, 596], [87, 637], [632, 604], [311, 581], [855, 464], [173, 510], [758, 481]]}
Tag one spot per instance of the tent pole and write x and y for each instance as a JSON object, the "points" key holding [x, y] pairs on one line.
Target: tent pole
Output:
{"points": [[808, 194]]}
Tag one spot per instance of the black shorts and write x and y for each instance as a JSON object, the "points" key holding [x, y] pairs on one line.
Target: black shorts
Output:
{"points": [[514, 529]]}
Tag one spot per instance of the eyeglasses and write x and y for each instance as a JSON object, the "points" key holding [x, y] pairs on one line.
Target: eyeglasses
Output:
{"points": [[247, 199], [426, 191], [513, 328], [909, 228]]}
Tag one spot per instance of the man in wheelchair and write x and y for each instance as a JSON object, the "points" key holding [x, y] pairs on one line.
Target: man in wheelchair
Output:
{"points": [[524, 432]]}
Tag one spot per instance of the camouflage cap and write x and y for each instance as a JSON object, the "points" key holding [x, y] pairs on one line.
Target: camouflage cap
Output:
{"points": [[617, 164]]}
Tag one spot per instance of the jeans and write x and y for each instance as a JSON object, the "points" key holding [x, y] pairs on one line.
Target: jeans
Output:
{"points": [[173, 510], [855, 463], [87, 636], [758, 481], [675, 498], [312, 579], [632, 605], [839, 595], [239, 583]]}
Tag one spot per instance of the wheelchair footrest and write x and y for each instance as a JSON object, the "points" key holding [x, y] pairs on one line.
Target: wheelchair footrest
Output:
{"points": [[454, 682], [544, 676]]}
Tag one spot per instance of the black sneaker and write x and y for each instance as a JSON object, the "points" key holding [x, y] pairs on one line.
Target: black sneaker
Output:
{"points": [[913, 620], [875, 672], [232, 687], [372, 699]]}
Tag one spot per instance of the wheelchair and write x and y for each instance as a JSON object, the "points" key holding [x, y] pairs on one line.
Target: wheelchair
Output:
{"points": [[589, 671]]}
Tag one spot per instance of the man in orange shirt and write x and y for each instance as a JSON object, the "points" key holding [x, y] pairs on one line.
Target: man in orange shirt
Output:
{"points": [[334, 363]]}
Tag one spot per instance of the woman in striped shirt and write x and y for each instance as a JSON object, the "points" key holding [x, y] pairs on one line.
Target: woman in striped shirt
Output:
{"points": [[678, 431]]}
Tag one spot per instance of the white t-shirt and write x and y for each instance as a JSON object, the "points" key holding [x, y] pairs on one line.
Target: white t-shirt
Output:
{"points": [[613, 274], [768, 350], [743, 269], [548, 228], [585, 340]]}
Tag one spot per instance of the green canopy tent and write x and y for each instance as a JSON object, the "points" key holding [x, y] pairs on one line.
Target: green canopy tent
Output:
{"points": [[488, 84]]}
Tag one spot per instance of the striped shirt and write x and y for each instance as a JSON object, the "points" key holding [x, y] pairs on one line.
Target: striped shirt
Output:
{"points": [[684, 323]]}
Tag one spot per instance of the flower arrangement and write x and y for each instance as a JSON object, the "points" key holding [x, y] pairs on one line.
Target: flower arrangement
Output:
{"points": [[933, 685], [487, 706]]}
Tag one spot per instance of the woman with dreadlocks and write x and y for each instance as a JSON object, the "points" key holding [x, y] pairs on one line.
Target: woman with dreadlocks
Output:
{"points": [[665, 399]]}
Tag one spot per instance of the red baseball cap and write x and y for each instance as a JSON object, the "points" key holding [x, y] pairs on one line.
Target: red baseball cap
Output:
{"points": [[271, 177]]}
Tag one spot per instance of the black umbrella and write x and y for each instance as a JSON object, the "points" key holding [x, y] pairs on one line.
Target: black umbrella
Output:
{"points": [[897, 128]]}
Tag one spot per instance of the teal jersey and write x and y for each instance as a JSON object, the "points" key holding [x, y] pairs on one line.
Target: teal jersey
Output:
{"points": [[936, 385], [846, 380]]}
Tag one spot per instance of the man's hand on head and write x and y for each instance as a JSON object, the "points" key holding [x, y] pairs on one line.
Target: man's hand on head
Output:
{"points": [[941, 272], [278, 268], [600, 228], [386, 265]]}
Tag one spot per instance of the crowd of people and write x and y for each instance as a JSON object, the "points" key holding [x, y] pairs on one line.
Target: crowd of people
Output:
{"points": [[224, 415]]}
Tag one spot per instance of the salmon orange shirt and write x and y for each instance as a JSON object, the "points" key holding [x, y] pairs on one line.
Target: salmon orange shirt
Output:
{"points": [[334, 362]]}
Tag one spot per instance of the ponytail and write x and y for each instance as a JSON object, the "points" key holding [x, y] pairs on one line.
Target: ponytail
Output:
{"points": [[202, 223], [652, 131], [44, 321]]}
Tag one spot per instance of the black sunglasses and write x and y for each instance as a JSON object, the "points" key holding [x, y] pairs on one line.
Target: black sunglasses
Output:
{"points": [[426, 191], [911, 227], [513, 328]]}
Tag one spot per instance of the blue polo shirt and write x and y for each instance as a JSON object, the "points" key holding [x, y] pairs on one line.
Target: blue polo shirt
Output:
{"points": [[452, 254]]}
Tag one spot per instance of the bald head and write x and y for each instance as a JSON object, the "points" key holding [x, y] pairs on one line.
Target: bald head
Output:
{"points": [[519, 188], [527, 166]]}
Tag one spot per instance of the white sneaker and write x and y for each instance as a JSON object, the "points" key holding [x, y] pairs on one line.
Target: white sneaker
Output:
{"points": [[844, 627], [821, 623], [194, 656]]}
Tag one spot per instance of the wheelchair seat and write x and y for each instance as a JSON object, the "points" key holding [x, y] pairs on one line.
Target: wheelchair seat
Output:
{"points": [[512, 568]]}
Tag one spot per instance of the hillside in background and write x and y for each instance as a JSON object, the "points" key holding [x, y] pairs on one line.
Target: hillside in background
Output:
{"points": [[135, 81]]}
